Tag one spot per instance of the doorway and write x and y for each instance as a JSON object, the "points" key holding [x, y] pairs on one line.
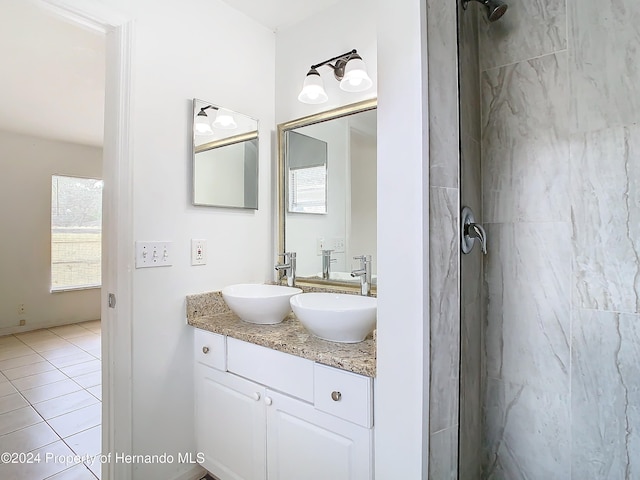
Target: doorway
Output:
{"points": [[116, 322]]}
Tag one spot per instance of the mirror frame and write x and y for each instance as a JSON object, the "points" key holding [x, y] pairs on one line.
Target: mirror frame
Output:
{"points": [[344, 111]]}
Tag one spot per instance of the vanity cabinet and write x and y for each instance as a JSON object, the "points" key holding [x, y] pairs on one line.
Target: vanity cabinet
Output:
{"points": [[264, 414], [230, 425]]}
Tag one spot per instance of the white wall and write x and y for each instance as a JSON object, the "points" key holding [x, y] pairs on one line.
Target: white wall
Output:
{"points": [[202, 49], [362, 236], [347, 25], [25, 219], [402, 383]]}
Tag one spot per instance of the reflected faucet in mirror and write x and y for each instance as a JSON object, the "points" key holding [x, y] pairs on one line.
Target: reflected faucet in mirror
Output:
{"points": [[364, 272], [288, 265], [326, 264]]}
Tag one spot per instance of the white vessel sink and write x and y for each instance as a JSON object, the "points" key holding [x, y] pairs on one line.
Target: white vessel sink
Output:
{"points": [[335, 316], [258, 303]]}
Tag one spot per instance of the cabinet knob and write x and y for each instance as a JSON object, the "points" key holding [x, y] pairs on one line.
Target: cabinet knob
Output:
{"points": [[205, 350], [336, 396], [256, 396], [268, 400]]}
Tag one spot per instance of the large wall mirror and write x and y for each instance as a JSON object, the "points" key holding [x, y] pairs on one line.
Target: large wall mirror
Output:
{"points": [[327, 192], [225, 157]]}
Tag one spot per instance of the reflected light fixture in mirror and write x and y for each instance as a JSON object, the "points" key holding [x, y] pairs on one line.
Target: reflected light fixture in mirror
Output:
{"points": [[224, 120], [349, 69], [202, 125]]}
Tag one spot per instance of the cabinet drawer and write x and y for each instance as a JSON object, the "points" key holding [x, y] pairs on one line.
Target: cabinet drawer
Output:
{"points": [[344, 394], [277, 370], [210, 349]]}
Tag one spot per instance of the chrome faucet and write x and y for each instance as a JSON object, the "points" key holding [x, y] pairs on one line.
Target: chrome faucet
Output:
{"points": [[326, 264], [364, 272], [289, 267]]}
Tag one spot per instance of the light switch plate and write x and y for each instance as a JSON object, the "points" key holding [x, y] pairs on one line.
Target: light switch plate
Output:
{"points": [[154, 254], [338, 245]]}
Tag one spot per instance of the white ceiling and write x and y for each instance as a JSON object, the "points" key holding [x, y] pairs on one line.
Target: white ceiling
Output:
{"points": [[276, 14], [52, 80]]}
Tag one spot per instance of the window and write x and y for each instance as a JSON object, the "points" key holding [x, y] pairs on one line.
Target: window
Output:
{"points": [[307, 173], [76, 232], [308, 190]]}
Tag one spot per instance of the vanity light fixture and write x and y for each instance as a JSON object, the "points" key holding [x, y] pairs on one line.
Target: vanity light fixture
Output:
{"points": [[224, 120], [348, 69]]}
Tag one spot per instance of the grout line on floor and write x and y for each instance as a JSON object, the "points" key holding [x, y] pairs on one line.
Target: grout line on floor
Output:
{"points": [[81, 388]]}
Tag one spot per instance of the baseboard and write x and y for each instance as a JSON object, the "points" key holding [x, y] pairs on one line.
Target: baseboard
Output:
{"points": [[38, 326], [195, 473]]}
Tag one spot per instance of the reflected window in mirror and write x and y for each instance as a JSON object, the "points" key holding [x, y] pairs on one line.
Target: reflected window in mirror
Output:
{"points": [[307, 178], [225, 157]]}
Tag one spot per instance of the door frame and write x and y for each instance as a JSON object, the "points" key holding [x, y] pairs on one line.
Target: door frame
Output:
{"points": [[117, 277]]}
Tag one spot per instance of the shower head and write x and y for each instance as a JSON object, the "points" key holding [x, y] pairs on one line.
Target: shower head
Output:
{"points": [[495, 8]]}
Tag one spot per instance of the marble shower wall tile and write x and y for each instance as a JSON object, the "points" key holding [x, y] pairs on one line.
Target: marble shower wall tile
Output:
{"points": [[444, 307], [470, 390], [470, 195], [605, 401], [604, 36], [443, 460], [525, 146], [527, 275], [470, 414], [471, 175], [605, 197], [469, 73], [527, 433], [443, 94], [472, 304], [530, 28]]}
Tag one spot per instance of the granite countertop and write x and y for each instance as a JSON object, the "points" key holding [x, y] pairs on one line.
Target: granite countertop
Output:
{"points": [[209, 312]]}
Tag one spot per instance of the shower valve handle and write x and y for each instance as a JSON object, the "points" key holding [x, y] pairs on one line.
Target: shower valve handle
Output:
{"points": [[471, 231], [475, 230]]}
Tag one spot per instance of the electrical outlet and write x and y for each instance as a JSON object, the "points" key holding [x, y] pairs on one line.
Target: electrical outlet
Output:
{"points": [[153, 254], [22, 309], [198, 252], [23, 322]]}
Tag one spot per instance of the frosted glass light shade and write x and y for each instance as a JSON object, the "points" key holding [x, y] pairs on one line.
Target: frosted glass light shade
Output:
{"points": [[355, 77], [313, 89], [202, 126], [224, 120]]}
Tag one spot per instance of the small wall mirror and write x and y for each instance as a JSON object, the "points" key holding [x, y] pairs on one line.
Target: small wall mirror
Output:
{"points": [[327, 166], [225, 157]]}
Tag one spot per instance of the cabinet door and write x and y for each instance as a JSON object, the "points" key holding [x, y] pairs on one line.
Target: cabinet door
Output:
{"points": [[305, 443], [230, 425]]}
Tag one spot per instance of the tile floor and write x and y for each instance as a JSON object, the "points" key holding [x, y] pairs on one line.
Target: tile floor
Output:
{"points": [[50, 402]]}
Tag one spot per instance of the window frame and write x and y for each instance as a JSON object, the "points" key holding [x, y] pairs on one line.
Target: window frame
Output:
{"points": [[78, 287]]}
